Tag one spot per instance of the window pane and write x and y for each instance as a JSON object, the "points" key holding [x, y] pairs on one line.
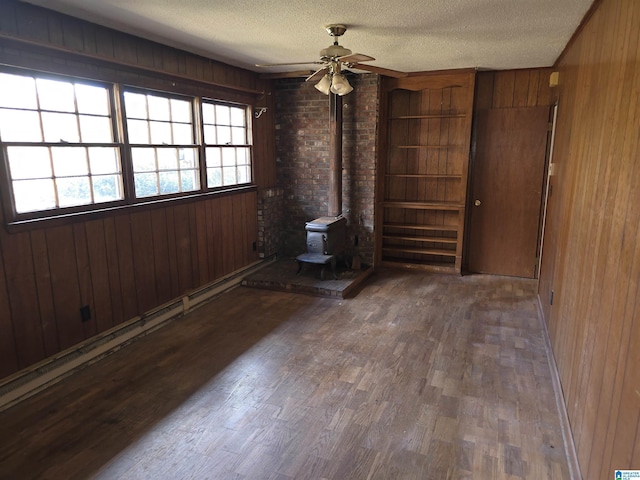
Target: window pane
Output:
{"points": [[243, 174], [60, 127], [189, 180], [104, 160], [214, 177], [33, 195], [210, 134], [180, 111], [208, 115], [29, 162], [135, 104], [69, 161], [229, 157], [214, 157], [167, 159], [238, 136], [19, 126], [17, 91], [242, 156], [158, 108], [187, 157], [238, 116], [73, 191], [182, 133], [160, 133], [146, 184], [107, 188], [224, 135], [138, 131], [223, 116], [169, 182], [229, 175], [144, 159], [95, 129], [92, 99], [56, 95]]}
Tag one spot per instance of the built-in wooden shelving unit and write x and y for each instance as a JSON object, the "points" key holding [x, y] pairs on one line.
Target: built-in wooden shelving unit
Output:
{"points": [[425, 138]]}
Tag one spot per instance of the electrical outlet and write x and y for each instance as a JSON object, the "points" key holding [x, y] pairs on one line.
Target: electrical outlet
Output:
{"points": [[85, 313]]}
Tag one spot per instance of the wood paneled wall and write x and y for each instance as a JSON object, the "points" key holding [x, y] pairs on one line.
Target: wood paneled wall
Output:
{"points": [[592, 259], [513, 88], [129, 262]]}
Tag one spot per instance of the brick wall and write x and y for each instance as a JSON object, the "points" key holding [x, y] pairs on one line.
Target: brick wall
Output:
{"points": [[302, 162], [270, 215]]}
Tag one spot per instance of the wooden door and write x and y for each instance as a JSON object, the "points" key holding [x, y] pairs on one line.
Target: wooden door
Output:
{"points": [[506, 191]]}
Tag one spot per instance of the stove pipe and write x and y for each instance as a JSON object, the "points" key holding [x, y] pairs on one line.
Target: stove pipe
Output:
{"points": [[335, 155]]}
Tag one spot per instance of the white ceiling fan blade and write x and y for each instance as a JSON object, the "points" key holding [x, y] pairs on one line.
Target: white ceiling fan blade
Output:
{"points": [[313, 62], [379, 70], [317, 74], [355, 58]]}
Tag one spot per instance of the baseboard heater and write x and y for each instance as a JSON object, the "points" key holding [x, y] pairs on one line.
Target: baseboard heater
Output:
{"points": [[42, 375]]}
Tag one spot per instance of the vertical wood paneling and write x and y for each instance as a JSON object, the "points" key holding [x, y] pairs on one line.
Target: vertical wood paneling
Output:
{"points": [[99, 275], [45, 295], [115, 287], [183, 247], [161, 255], [128, 263], [84, 278], [143, 264], [64, 284], [21, 288], [172, 253], [593, 238], [527, 87], [126, 266]]}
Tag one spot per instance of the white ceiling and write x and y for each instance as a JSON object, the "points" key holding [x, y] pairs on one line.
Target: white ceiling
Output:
{"points": [[405, 35]]}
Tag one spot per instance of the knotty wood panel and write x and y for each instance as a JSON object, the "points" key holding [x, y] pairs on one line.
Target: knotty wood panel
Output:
{"points": [[591, 259], [123, 264]]}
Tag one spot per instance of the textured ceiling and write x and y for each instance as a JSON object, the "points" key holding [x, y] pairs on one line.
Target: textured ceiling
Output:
{"points": [[405, 35]]}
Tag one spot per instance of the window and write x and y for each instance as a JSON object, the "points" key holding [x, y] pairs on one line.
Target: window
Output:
{"points": [[72, 145], [59, 143], [163, 153], [227, 150]]}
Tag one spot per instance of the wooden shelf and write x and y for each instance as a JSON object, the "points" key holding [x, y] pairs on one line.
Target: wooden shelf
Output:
{"points": [[425, 192], [434, 228], [424, 205], [422, 239], [422, 251], [425, 175], [418, 265]]}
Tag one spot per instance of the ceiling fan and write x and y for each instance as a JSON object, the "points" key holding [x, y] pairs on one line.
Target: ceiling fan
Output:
{"points": [[336, 58]]}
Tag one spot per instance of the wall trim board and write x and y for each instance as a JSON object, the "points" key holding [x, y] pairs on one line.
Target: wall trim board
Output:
{"points": [[38, 377], [565, 425]]}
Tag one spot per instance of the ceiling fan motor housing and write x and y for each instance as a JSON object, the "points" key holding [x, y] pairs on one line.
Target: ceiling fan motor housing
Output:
{"points": [[334, 51]]}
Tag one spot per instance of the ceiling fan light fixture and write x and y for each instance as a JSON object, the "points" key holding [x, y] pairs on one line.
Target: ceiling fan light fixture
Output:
{"points": [[324, 85], [340, 85]]}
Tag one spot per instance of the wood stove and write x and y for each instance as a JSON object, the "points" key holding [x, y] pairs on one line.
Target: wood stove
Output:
{"points": [[326, 240]]}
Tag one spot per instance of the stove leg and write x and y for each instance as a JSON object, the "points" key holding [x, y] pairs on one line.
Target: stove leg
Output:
{"points": [[299, 267], [333, 268]]}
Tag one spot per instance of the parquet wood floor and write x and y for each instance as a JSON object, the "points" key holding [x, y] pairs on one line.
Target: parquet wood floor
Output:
{"points": [[421, 376]]}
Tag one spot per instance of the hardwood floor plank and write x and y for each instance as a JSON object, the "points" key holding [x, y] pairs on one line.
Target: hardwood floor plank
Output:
{"points": [[421, 376]]}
